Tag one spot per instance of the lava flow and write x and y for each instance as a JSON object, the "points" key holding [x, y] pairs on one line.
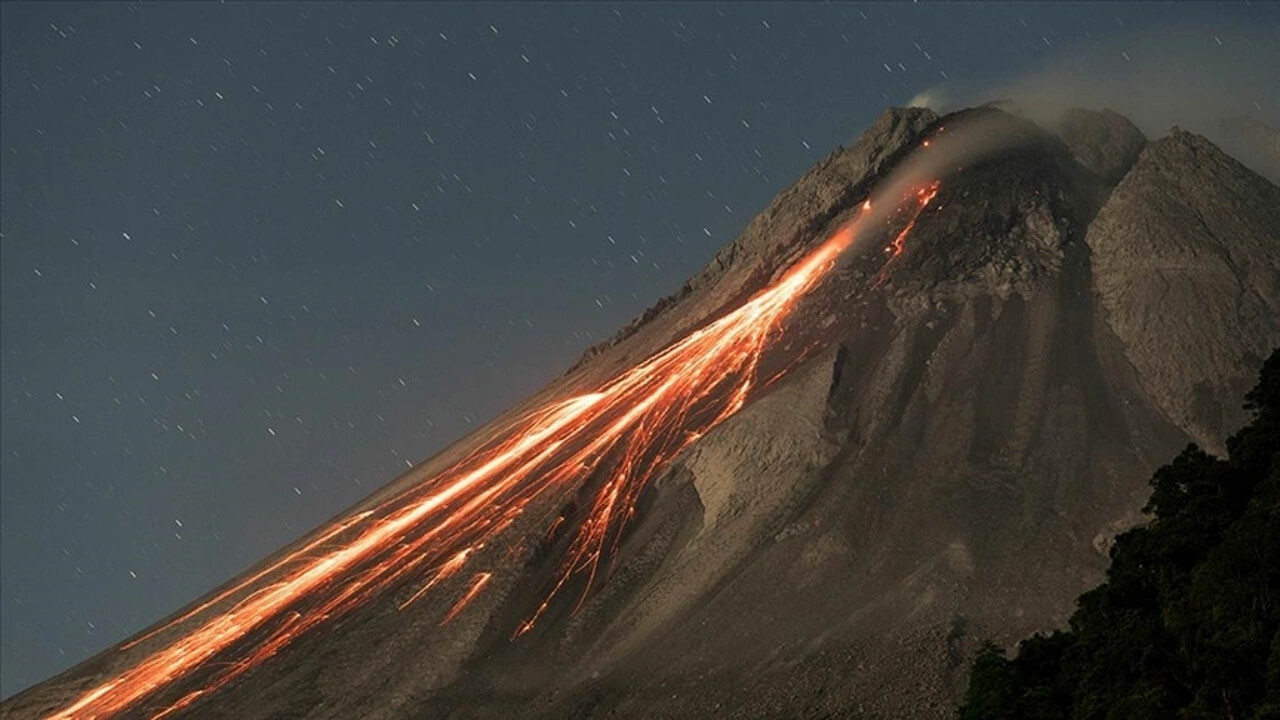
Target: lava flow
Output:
{"points": [[615, 440]]}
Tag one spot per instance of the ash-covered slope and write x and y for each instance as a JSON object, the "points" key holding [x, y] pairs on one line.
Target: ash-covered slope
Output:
{"points": [[954, 468], [977, 419]]}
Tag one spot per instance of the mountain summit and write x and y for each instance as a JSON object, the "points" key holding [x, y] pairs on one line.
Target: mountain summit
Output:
{"points": [[906, 411]]}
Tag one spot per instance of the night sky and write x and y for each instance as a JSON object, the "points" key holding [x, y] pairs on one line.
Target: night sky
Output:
{"points": [[259, 259]]}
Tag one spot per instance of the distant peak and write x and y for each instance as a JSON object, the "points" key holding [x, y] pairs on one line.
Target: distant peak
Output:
{"points": [[1103, 141], [1182, 146]]}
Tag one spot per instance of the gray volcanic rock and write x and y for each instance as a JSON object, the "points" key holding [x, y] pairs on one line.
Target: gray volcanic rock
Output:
{"points": [[979, 419], [1190, 233]]}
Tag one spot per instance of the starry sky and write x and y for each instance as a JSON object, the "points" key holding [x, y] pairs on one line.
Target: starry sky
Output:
{"points": [[259, 259]]}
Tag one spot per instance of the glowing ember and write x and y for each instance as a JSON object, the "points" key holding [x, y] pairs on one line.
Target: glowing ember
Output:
{"points": [[618, 437], [924, 196], [477, 585]]}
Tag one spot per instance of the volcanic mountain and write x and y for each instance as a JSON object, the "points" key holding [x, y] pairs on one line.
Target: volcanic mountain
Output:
{"points": [[904, 412]]}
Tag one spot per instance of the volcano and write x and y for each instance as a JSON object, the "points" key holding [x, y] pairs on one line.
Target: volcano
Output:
{"points": [[904, 412]]}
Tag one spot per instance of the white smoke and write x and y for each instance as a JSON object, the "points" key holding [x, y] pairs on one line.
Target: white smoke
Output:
{"points": [[1223, 83]]}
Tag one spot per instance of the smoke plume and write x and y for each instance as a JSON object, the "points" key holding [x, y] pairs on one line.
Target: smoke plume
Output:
{"points": [[1218, 82]]}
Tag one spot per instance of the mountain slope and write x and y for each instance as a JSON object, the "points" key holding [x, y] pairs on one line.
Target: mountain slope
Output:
{"points": [[1186, 624], [1188, 234], [979, 409]]}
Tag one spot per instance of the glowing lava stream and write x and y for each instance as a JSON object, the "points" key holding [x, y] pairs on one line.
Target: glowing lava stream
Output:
{"points": [[621, 435]]}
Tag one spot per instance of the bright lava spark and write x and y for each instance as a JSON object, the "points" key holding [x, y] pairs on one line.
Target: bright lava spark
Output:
{"points": [[618, 437]]}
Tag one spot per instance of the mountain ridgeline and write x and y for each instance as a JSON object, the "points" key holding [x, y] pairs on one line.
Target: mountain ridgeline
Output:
{"points": [[971, 428]]}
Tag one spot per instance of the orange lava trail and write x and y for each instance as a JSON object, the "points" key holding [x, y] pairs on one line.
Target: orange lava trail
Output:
{"points": [[924, 196], [477, 585], [620, 437]]}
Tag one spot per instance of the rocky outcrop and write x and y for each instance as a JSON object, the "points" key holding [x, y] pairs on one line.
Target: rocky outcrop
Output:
{"points": [[1191, 234]]}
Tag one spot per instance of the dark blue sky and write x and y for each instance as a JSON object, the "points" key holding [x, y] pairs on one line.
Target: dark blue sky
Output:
{"points": [[259, 258]]}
